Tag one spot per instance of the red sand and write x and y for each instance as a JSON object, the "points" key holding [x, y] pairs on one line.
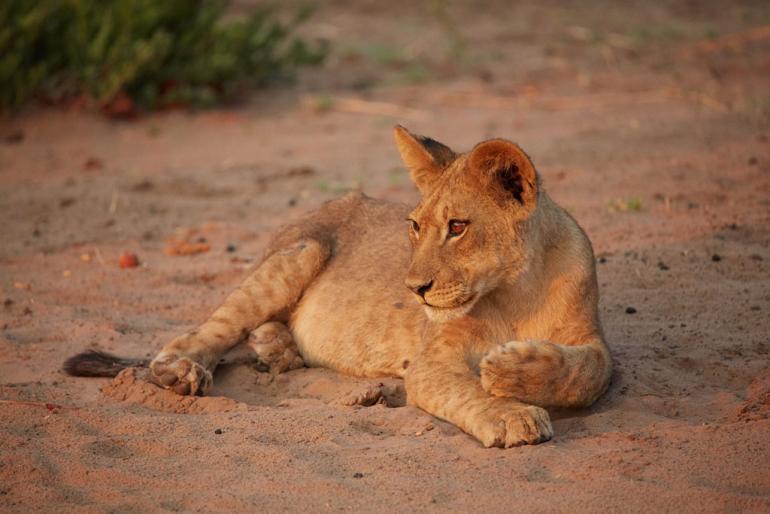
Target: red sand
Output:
{"points": [[684, 427]]}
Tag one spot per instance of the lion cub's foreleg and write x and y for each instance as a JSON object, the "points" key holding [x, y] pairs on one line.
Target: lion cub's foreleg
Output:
{"points": [[186, 364], [441, 382], [547, 374]]}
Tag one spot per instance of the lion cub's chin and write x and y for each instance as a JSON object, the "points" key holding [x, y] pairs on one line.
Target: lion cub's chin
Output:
{"points": [[442, 314]]}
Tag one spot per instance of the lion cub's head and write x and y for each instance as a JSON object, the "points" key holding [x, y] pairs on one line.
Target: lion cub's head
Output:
{"points": [[469, 231]]}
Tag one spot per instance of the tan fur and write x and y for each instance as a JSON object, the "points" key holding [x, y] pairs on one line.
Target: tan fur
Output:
{"points": [[497, 321]]}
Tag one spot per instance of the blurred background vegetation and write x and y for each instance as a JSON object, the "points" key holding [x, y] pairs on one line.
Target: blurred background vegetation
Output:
{"points": [[146, 54]]}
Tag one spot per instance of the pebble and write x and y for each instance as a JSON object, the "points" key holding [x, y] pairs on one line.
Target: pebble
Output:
{"points": [[716, 257], [128, 260], [218, 431], [358, 475], [630, 310]]}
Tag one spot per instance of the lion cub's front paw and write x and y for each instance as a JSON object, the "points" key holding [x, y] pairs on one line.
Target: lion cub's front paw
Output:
{"points": [[505, 425], [180, 374]]}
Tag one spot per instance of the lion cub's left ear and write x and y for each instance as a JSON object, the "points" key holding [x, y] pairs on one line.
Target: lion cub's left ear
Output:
{"points": [[509, 170], [426, 158]]}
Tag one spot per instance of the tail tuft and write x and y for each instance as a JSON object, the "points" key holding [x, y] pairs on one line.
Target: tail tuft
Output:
{"points": [[93, 363]]}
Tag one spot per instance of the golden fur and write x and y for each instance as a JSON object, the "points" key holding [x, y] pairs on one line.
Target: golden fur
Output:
{"points": [[498, 320]]}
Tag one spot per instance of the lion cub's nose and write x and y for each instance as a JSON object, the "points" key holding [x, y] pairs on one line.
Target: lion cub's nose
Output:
{"points": [[419, 287]]}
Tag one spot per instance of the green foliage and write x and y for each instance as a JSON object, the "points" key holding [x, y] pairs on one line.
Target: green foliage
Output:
{"points": [[633, 204], [156, 52]]}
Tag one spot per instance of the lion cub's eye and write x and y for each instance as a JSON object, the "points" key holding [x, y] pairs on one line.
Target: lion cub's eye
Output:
{"points": [[457, 227], [415, 226]]}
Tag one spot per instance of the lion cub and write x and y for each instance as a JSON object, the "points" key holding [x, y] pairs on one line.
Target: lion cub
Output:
{"points": [[483, 297]]}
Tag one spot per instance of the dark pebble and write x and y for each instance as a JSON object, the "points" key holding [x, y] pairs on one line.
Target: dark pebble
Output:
{"points": [[716, 257], [358, 475], [755, 307], [14, 137], [630, 310], [663, 266], [602, 260], [292, 202], [218, 431], [231, 248]]}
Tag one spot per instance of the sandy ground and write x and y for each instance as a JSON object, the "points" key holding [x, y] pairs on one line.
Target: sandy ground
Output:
{"points": [[650, 124]]}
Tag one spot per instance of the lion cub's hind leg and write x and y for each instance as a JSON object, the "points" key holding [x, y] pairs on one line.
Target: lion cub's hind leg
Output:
{"points": [[275, 348], [186, 364]]}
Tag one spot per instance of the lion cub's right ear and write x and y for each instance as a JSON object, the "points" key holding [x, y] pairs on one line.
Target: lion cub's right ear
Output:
{"points": [[426, 159]]}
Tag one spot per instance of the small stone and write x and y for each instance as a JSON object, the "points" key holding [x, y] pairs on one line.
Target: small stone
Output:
{"points": [[15, 137], [602, 260], [128, 260], [358, 475], [231, 248], [93, 164], [218, 431], [630, 310], [716, 257], [663, 266]]}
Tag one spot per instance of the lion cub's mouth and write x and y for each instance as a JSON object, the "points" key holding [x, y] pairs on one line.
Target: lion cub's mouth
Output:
{"points": [[440, 313]]}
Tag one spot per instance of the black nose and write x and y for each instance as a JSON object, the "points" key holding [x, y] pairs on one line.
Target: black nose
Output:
{"points": [[421, 289]]}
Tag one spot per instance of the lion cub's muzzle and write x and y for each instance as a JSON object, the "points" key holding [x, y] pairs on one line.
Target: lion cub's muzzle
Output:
{"points": [[440, 296]]}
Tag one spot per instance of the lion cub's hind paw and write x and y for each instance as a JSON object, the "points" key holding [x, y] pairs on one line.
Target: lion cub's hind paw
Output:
{"points": [[275, 347], [180, 374]]}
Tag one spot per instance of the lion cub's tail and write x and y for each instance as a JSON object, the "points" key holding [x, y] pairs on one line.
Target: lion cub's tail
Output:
{"points": [[93, 363]]}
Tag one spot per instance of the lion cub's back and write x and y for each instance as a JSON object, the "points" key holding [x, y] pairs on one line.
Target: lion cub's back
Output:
{"points": [[357, 316]]}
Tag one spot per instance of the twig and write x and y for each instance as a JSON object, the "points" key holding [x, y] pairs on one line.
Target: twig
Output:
{"points": [[565, 103], [114, 202], [735, 40], [49, 406], [359, 106], [553, 103], [99, 256]]}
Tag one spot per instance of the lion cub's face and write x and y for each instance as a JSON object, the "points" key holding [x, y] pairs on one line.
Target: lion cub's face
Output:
{"points": [[466, 232]]}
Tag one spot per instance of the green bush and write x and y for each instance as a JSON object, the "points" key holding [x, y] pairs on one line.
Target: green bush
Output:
{"points": [[156, 52]]}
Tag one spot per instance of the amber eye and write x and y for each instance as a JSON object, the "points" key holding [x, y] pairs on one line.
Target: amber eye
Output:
{"points": [[457, 227], [415, 226]]}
